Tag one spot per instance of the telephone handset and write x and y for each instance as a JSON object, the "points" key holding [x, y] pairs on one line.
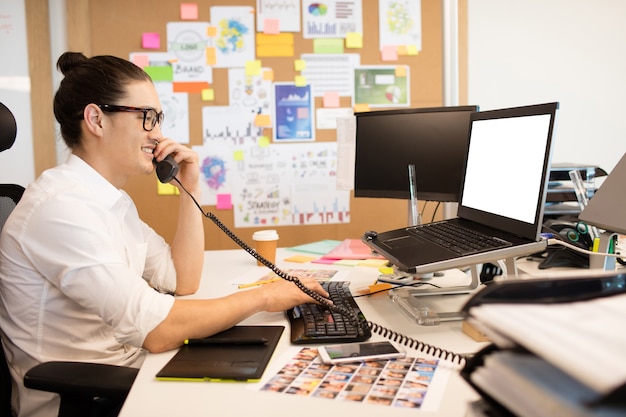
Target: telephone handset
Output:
{"points": [[166, 171]]}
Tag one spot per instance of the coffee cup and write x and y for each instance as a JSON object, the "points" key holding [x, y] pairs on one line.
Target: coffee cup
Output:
{"points": [[266, 242]]}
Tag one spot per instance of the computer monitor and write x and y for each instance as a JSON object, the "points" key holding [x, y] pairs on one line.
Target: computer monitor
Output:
{"points": [[433, 139]]}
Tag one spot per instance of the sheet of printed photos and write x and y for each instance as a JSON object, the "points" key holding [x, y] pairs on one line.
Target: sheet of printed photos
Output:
{"points": [[400, 382]]}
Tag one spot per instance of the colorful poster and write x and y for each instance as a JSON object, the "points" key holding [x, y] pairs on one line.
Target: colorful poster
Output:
{"points": [[252, 92], [400, 23], [286, 12], [234, 41], [331, 18], [187, 43], [293, 113], [382, 86]]}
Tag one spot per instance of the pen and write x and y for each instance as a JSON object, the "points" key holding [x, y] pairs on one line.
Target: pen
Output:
{"points": [[257, 283], [226, 341]]}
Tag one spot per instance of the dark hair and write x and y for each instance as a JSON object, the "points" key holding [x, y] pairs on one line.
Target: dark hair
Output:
{"points": [[99, 80]]}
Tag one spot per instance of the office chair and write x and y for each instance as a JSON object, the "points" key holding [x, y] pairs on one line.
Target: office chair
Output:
{"points": [[77, 383]]}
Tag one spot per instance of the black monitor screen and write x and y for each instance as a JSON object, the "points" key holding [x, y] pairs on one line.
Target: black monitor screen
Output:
{"points": [[433, 139]]}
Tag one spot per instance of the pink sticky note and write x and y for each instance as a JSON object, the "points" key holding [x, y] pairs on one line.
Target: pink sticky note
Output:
{"points": [[271, 26], [331, 99], [224, 202], [151, 40], [141, 61], [389, 53], [189, 11]]}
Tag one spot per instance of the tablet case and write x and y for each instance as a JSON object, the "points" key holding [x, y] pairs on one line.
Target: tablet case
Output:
{"points": [[218, 362]]}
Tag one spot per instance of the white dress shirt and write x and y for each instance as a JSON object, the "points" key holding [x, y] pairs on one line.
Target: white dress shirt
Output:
{"points": [[79, 274]]}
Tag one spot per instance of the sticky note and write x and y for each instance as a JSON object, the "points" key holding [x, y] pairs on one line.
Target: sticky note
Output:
{"points": [[400, 71], [412, 50], [299, 64], [354, 40], [211, 31], [328, 45], [274, 45], [166, 189], [263, 120], [331, 99], [402, 50], [160, 73], [300, 259], [141, 60], [376, 263], [300, 81], [224, 202], [389, 53], [238, 155], [188, 11], [361, 107], [268, 75], [190, 87], [263, 141], [253, 67], [208, 94], [211, 55], [271, 26], [151, 40]]}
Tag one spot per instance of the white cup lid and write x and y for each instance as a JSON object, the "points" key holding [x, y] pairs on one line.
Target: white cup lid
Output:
{"points": [[265, 235]]}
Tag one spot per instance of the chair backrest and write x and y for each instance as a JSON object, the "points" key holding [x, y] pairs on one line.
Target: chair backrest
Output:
{"points": [[10, 194]]}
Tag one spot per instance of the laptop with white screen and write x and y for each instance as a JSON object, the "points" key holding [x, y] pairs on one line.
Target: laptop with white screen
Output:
{"points": [[502, 195]]}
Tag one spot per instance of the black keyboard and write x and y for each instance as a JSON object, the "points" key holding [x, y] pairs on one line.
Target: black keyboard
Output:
{"points": [[314, 323], [457, 238]]}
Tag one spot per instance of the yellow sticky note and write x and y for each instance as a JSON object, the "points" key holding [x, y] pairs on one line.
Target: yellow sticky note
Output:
{"points": [[354, 40], [300, 81], [300, 259], [238, 155], [263, 141], [361, 107], [274, 45], [299, 64], [166, 189], [412, 50], [211, 55], [208, 94], [376, 263], [253, 67], [263, 120], [400, 71]]}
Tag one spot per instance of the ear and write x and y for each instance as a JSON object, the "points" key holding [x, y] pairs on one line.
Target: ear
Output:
{"points": [[92, 115]]}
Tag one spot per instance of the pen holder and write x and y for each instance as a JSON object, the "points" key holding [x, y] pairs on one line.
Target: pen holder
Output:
{"points": [[607, 245]]}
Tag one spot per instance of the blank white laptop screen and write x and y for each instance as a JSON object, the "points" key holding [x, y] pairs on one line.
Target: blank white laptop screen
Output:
{"points": [[505, 166]]}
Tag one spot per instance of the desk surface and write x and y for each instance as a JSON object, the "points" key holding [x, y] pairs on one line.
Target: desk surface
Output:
{"points": [[222, 270]]}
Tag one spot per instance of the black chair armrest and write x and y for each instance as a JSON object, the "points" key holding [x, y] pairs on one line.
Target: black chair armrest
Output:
{"points": [[81, 379]]}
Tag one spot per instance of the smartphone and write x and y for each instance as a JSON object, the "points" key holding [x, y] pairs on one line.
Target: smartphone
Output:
{"points": [[357, 352]]}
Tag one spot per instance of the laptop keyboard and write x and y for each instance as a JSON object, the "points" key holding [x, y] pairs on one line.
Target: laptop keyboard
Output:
{"points": [[457, 238], [314, 323]]}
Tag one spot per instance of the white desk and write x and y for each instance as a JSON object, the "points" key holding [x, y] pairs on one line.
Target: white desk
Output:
{"points": [[150, 397]]}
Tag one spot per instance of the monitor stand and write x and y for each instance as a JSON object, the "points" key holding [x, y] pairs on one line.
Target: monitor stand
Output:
{"points": [[426, 311]]}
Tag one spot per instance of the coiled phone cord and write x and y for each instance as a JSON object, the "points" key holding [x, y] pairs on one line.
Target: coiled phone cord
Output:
{"points": [[365, 325]]}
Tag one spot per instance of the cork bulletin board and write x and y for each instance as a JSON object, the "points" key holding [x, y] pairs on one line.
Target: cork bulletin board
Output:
{"points": [[117, 27]]}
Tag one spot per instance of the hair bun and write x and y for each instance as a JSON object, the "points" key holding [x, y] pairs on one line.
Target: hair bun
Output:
{"points": [[70, 60]]}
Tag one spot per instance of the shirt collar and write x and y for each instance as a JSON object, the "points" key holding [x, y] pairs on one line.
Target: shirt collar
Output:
{"points": [[106, 191]]}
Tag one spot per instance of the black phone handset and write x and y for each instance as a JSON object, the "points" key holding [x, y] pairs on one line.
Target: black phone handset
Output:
{"points": [[166, 171]]}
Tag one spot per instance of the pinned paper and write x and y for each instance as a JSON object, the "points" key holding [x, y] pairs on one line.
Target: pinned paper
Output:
{"points": [[188, 11], [151, 40], [389, 53], [224, 202], [331, 99], [354, 40], [271, 26]]}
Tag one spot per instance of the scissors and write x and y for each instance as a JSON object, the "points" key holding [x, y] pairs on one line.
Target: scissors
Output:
{"points": [[581, 232]]}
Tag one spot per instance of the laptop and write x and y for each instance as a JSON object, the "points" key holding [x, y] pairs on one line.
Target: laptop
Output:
{"points": [[605, 209], [503, 193]]}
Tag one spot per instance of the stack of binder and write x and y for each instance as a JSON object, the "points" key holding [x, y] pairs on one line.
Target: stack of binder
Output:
{"points": [[551, 355]]}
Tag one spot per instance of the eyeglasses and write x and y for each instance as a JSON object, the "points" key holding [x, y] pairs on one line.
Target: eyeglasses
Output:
{"points": [[150, 116]]}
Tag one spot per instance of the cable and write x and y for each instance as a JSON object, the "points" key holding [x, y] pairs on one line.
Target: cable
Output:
{"points": [[554, 241], [364, 324]]}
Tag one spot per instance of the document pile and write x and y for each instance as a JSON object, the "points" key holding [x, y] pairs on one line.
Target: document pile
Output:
{"points": [[559, 358]]}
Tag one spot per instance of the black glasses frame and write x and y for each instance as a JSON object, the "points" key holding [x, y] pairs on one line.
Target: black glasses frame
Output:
{"points": [[157, 117]]}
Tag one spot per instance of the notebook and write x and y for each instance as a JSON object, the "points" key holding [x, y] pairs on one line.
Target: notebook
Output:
{"points": [[503, 192], [232, 361], [606, 208]]}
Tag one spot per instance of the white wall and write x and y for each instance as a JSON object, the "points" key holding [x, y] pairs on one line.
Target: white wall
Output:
{"points": [[571, 51]]}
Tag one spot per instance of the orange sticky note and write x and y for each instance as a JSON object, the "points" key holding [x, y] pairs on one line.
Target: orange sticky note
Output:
{"points": [[188, 11], [400, 71], [263, 120], [268, 75], [271, 26], [361, 107], [211, 31], [331, 99], [211, 55], [402, 50]]}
